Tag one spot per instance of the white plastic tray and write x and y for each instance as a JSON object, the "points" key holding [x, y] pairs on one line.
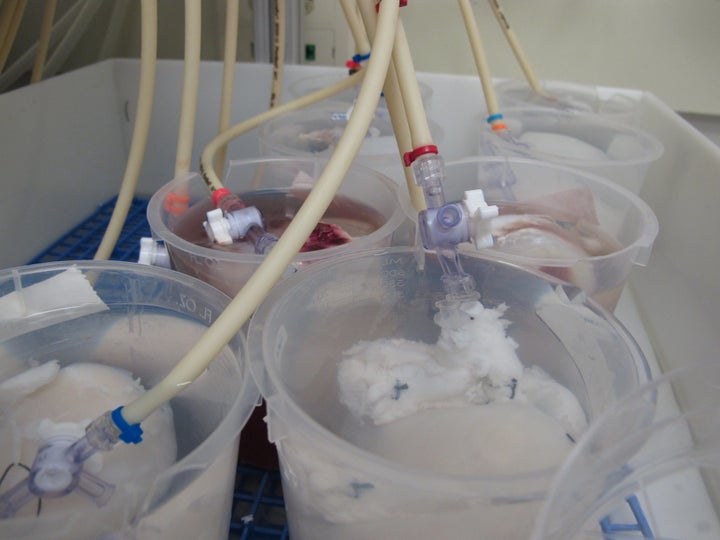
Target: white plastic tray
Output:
{"points": [[64, 144]]}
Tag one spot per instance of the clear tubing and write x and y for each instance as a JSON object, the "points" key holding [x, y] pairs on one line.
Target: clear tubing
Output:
{"points": [[357, 29], [278, 53], [261, 239], [44, 40], [393, 99], [429, 172], [276, 262], [12, 30], [232, 13], [148, 60], [191, 79], [207, 168], [516, 48], [22, 64], [478, 51]]}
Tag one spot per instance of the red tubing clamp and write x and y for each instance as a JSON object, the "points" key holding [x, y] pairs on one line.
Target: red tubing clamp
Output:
{"points": [[409, 157], [219, 194]]}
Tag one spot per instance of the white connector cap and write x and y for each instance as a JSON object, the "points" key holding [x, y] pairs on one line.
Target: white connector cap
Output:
{"points": [[481, 214], [152, 253], [217, 228]]}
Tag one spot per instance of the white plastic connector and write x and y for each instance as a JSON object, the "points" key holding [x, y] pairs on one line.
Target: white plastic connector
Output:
{"points": [[481, 214], [153, 253], [217, 228], [224, 229]]}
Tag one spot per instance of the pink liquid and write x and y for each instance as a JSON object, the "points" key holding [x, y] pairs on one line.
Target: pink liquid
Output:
{"points": [[537, 231], [278, 209]]}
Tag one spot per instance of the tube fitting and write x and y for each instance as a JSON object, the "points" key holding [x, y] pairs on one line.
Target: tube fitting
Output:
{"points": [[458, 222], [58, 467], [428, 171], [153, 253], [225, 229]]}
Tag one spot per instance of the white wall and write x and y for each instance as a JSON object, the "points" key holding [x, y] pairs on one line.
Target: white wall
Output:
{"points": [[667, 47]]}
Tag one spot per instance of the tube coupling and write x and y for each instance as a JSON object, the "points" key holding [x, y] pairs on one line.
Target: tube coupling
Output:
{"points": [[458, 222], [224, 229]]}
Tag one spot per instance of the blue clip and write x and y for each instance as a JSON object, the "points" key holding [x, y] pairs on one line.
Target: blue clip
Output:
{"points": [[360, 57], [128, 433], [494, 117]]}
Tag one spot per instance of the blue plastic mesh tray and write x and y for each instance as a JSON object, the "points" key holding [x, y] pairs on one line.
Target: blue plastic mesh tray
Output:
{"points": [[82, 241], [258, 506]]}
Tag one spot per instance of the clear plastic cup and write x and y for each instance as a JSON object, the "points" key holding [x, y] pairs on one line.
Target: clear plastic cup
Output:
{"points": [[566, 222], [570, 97], [366, 206], [336, 481], [316, 130], [649, 467], [587, 142], [140, 319]]}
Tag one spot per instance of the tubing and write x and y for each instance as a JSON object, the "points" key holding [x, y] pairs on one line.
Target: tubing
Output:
{"points": [[275, 263], [412, 99], [478, 51], [71, 38], [22, 64], [191, 79], [146, 90], [6, 14], [278, 53], [278, 58], [393, 99], [357, 29], [10, 34], [207, 169], [44, 40], [232, 13], [516, 48]]}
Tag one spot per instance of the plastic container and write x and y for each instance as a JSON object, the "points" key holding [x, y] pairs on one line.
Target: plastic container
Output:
{"points": [[307, 85], [566, 222], [570, 97], [366, 206], [668, 466], [588, 142], [139, 319], [335, 486], [315, 131]]}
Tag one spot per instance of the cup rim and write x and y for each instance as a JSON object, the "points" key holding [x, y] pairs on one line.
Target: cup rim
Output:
{"points": [[653, 147], [644, 240], [160, 229]]}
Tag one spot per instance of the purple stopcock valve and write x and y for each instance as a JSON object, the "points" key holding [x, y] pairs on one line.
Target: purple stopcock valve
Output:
{"points": [[58, 466], [444, 225], [454, 223]]}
